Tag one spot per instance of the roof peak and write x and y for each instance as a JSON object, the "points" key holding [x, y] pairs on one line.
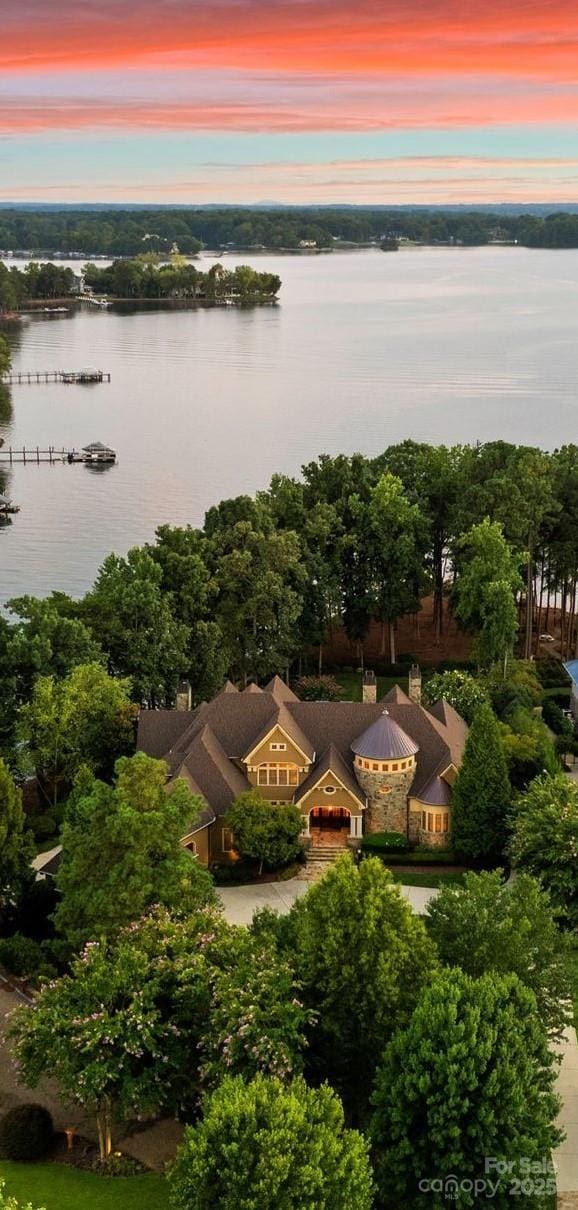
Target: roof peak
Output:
{"points": [[384, 740]]}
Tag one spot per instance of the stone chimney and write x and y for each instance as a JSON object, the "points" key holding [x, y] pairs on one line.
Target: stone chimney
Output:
{"points": [[369, 687], [414, 684], [184, 696]]}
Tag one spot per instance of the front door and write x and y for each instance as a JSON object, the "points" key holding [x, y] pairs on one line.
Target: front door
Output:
{"points": [[329, 826]]}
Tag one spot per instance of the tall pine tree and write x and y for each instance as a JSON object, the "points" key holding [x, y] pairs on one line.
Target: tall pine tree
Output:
{"points": [[482, 792]]}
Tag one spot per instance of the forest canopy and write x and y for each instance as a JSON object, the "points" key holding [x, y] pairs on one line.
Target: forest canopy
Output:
{"points": [[120, 232]]}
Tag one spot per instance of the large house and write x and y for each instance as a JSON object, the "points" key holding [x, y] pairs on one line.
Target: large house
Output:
{"points": [[351, 767]]}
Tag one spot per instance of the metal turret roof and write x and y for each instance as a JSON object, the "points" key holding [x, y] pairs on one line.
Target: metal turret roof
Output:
{"points": [[384, 740]]}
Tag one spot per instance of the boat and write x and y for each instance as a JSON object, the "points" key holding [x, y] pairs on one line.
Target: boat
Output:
{"points": [[6, 506], [98, 454], [55, 310]]}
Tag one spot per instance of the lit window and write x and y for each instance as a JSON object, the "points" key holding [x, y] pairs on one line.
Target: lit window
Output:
{"points": [[227, 840], [277, 775]]}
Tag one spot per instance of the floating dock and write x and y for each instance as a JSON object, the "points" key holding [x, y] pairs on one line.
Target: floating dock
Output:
{"points": [[94, 454], [19, 377]]}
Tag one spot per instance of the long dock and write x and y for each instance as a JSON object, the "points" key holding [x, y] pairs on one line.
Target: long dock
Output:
{"points": [[18, 377], [35, 455]]}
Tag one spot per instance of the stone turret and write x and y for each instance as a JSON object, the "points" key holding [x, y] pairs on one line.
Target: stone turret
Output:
{"points": [[369, 687], [384, 765]]}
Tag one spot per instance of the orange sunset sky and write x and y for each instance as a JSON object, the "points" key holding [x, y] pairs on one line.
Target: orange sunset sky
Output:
{"points": [[294, 101]]}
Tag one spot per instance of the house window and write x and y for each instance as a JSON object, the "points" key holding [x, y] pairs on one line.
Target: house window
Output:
{"points": [[277, 775], [376, 768], [192, 847], [278, 747], [329, 789], [394, 768], [436, 822], [227, 840]]}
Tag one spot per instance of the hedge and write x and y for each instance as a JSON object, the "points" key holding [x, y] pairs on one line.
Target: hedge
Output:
{"points": [[385, 842], [421, 857]]}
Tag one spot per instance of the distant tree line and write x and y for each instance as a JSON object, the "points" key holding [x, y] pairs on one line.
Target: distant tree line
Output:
{"points": [[120, 232]]}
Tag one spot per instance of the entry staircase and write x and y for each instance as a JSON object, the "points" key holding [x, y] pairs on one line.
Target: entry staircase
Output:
{"points": [[325, 853]]}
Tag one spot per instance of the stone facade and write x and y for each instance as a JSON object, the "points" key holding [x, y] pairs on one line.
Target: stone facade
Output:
{"points": [[387, 795], [369, 687]]}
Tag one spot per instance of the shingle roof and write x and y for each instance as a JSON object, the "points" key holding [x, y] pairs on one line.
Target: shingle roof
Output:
{"points": [[396, 695], [280, 691], [229, 687], [331, 761], [252, 688], [384, 740], [437, 793], [236, 721]]}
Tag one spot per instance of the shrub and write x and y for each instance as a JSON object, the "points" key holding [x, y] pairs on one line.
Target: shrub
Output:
{"points": [[22, 956], [264, 832], [551, 673], [318, 689], [385, 842], [556, 720], [43, 826], [423, 857], [26, 1133]]}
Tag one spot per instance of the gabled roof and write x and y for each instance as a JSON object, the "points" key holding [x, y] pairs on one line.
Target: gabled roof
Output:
{"points": [[455, 730], [216, 777], [252, 688], [280, 691], [384, 740], [283, 719], [331, 762]]}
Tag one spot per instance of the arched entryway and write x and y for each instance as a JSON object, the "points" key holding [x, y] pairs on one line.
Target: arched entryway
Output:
{"points": [[330, 826]]}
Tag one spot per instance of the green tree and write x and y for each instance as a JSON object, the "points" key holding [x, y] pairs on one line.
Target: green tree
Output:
{"points": [[131, 617], [472, 1076], [5, 356], [85, 719], [363, 957], [545, 839], [121, 851], [395, 535], [47, 641], [462, 690], [481, 794], [485, 591], [265, 832], [487, 925], [16, 848], [276, 1147]]}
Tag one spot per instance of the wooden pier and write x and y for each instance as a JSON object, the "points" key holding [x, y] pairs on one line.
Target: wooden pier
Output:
{"points": [[8, 457], [19, 377]]}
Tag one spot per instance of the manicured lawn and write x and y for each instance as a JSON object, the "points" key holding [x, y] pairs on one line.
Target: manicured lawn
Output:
{"points": [[351, 684], [427, 878], [60, 1188]]}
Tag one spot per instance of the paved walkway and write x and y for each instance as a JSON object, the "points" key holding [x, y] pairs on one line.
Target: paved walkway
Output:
{"points": [[240, 902], [566, 1157]]}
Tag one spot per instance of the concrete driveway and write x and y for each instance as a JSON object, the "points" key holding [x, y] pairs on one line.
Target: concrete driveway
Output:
{"points": [[240, 902]]}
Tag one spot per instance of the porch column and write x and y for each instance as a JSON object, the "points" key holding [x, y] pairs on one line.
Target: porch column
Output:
{"points": [[355, 826], [305, 830]]}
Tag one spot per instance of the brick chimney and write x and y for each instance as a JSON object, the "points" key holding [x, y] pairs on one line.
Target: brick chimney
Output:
{"points": [[184, 696], [414, 684], [369, 690]]}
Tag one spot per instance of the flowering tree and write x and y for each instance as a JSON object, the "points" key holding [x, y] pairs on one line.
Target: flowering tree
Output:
{"points": [[149, 1020], [106, 1031]]}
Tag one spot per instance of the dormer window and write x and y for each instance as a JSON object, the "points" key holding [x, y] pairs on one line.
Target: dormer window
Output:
{"points": [[278, 747], [277, 775]]}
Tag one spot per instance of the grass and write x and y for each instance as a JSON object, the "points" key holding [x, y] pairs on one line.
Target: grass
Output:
{"points": [[427, 878], [58, 1187], [351, 684]]}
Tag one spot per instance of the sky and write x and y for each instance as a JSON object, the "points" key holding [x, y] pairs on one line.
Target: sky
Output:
{"points": [[296, 101]]}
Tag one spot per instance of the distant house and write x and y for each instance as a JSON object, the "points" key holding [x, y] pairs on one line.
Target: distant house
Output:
{"points": [[572, 670], [351, 767]]}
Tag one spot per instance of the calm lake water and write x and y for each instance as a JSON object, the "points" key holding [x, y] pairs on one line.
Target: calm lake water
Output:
{"points": [[364, 349]]}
